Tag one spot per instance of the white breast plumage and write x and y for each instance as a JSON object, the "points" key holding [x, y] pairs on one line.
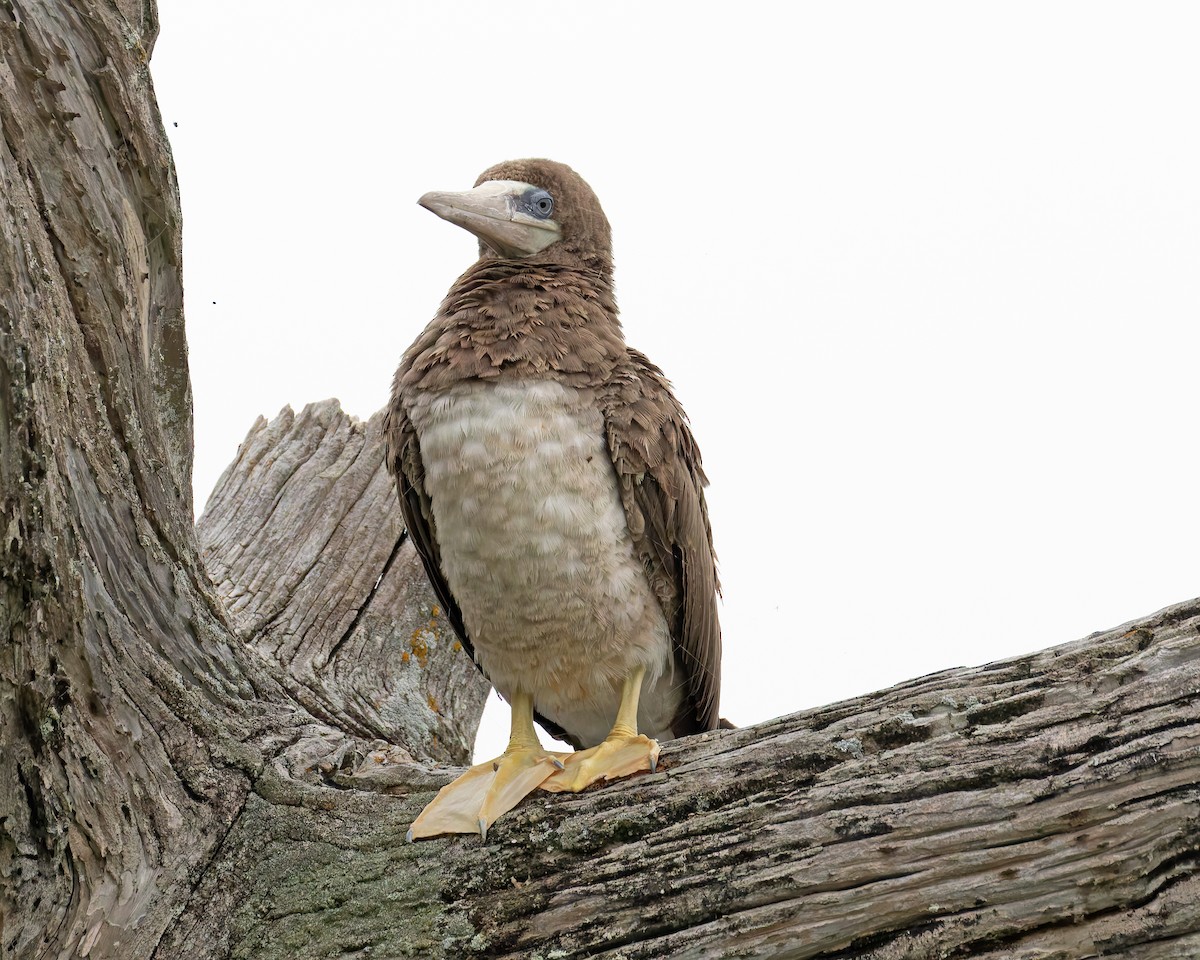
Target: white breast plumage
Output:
{"points": [[536, 549]]}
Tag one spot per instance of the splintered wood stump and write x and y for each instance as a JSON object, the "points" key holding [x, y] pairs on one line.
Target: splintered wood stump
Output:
{"points": [[304, 539], [213, 739]]}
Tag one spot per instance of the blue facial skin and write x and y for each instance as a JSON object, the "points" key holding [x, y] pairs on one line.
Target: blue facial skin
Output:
{"points": [[537, 203]]}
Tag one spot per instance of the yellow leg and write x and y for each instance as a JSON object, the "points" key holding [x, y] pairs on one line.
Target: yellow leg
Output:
{"points": [[474, 801], [623, 752]]}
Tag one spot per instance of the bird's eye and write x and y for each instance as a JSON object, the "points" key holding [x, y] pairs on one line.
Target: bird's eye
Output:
{"points": [[541, 204]]}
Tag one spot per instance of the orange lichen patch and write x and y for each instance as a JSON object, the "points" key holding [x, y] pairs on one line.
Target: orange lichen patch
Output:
{"points": [[405, 657], [433, 704], [420, 648], [435, 612], [456, 647]]}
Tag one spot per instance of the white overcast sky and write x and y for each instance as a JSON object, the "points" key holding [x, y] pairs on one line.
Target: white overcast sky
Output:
{"points": [[926, 277]]}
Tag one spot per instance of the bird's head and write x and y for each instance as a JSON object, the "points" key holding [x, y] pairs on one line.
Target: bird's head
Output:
{"points": [[535, 210]]}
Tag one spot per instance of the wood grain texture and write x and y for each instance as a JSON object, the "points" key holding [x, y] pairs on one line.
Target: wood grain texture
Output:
{"points": [[305, 542], [1044, 806], [115, 777]]}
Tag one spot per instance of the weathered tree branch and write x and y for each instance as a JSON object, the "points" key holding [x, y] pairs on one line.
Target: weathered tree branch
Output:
{"points": [[199, 771], [304, 540], [1040, 806]]}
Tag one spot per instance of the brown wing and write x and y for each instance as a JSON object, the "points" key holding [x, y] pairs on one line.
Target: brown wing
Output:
{"points": [[403, 458], [662, 489]]}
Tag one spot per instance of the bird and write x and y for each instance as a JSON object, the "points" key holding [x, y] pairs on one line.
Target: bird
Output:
{"points": [[551, 484]]}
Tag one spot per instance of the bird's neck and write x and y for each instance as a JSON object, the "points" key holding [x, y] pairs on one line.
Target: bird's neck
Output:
{"points": [[503, 281], [508, 319]]}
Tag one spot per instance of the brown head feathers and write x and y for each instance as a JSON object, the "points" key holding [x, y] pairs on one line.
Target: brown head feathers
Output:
{"points": [[586, 235]]}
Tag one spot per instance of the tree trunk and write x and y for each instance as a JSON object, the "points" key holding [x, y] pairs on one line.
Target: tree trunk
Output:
{"points": [[212, 739]]}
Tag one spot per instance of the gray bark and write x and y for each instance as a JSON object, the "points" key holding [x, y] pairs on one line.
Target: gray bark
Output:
{"points": [[304, 540], [213, 738]]}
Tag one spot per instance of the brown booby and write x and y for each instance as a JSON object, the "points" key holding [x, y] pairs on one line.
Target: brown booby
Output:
{"points": [[552, 486]]}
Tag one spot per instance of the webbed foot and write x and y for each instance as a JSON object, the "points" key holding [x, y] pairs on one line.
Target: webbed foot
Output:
{"points": [[620, 755], [474, 801]]}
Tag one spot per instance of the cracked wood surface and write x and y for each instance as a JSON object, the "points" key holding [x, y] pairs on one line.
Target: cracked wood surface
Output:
{"points": [[129, 729], [304, 540], [1044, 806], [225, 767]]}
